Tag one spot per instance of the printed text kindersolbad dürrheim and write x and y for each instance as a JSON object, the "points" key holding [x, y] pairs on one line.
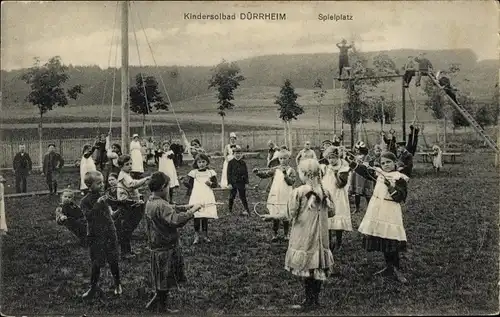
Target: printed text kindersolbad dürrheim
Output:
{"points": [[233, 16]]}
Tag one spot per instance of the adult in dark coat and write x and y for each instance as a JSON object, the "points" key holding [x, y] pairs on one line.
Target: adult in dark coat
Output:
{"points": [[52, 163], [22, 166]]}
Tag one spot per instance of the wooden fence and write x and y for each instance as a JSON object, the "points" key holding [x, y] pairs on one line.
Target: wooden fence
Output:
{"points": [[71, 149]]}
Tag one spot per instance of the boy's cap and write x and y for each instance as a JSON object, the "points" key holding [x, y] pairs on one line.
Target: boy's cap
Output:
{"points": [[135, 135]]}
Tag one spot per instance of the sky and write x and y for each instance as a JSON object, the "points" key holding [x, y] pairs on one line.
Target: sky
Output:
{"points": [[87, 33]]}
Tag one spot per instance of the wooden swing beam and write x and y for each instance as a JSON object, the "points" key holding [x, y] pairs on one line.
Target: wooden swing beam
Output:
{"points": [[403, 95]]}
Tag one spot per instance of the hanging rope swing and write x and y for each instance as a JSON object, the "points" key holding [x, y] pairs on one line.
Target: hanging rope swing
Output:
{"points": [[183, 135]]}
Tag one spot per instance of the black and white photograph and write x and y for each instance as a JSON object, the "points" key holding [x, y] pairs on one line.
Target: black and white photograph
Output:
{"points": [[249, 158]]}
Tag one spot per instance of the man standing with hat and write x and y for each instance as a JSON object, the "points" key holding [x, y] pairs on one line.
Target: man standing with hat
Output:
{"points": [[52, 163], [22, 167], [405, 159]]}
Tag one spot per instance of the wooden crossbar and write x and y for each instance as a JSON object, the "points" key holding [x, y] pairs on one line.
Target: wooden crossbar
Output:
{"points": [[370, 77]]}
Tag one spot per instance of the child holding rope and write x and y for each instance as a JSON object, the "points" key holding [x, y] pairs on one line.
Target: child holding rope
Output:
{"points": [[200, 182], [166, 165], [237, 176], [87, 164], [382, 225], [283, 179], [69, 214], [133, 209], [101, 233], [360, 184], [163, 219], [308, 255], [113, 152], [335, 176]]}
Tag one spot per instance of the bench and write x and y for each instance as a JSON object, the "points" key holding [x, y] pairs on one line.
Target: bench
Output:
{"points": [[427, 158]]}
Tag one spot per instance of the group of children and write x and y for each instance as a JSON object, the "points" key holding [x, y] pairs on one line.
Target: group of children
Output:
{"points": [[314, 215]]}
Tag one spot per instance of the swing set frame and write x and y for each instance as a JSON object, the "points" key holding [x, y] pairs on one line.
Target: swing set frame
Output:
{"points": [[403, 93]]}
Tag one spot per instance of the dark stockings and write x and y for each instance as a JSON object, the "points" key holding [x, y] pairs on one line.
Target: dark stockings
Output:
{"points": [[201, 221], [171, 194], [96, 273], [276, 227], [312, 289], [392, 259]]}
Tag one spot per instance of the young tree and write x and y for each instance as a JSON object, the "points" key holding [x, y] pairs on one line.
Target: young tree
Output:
{"points": [[383, 110], [357, 107], [144, 95], [226, 78], [46, 89], [319, 95], [288, 108]]}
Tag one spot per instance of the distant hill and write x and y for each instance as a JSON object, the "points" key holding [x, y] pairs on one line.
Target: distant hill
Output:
{"points": [[182, 83]]}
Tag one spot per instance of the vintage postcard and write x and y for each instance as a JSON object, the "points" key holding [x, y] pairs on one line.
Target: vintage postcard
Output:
{"points": [[249, 158]]}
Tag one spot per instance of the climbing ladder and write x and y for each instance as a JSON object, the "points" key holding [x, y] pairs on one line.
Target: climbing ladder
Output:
{"points": [[467, 116]]}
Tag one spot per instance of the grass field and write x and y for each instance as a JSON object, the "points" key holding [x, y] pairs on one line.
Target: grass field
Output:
{"points": [[451, 264]]}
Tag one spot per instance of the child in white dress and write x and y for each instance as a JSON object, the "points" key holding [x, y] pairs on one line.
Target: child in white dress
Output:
{"points": [[335, 175], [87, 164], [228, 156], [308, 255], [167, 166], [136, 155], [305, 153], [200, 182], [281, 188], [382, 225], [437, 158]]}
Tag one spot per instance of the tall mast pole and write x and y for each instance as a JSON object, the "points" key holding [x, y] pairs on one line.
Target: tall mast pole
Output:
{"points": [[125, 81]]}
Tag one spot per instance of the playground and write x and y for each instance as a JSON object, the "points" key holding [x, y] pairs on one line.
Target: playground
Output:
{"points": [[443, 187], [452, 257]]}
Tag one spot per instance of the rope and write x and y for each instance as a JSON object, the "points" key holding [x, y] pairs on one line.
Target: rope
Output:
{"points": [[140, 72], [114, 71], [159, 75], [262, 203]]}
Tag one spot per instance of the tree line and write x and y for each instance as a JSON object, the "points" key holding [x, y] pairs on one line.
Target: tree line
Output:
{"points": [[47, 90]]}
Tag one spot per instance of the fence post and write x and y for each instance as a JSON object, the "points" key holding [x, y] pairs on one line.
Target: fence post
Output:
{"points": [[253, 140]]}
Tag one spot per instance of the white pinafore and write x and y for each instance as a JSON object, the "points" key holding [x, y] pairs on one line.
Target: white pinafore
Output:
{"points": [[342, 218]]}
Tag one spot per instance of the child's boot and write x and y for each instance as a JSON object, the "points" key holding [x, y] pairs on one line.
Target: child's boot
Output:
{"points": [[118, 290], [168, 304], [196, 238], [399, 276], [205, 237], [94, 289]]}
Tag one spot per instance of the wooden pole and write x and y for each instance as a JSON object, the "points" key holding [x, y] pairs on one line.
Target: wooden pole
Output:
{"points": [[403, 94], [125, 81], [497, 104], [335, 108]]}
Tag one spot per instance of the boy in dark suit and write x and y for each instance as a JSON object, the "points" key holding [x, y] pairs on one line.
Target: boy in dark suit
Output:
{"points": [[101, 233], [52, 162], [237, 178]]}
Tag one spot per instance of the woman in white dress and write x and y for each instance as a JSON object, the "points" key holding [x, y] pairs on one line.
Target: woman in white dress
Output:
{"points": [[335, 176], [167, 166], [87, 164], [228, 156], [136, 155], [200, 182]]}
